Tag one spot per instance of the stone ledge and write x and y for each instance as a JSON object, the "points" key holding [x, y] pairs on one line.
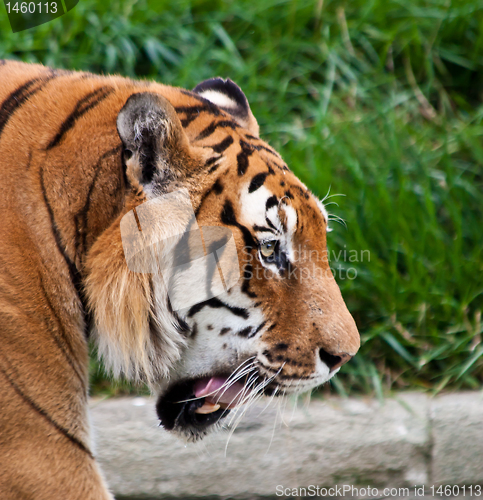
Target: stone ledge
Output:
{"points": [[409, 439], [457, 434]]}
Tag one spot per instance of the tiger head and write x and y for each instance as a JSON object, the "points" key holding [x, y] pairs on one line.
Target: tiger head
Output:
{"points": [[280, 327]]}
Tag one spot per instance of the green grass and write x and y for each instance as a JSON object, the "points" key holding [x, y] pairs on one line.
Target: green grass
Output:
{"points": [[378, 100]]}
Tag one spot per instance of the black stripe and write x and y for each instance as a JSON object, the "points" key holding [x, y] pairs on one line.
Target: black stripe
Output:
{"points": [[124, 168], [87, 103], [44, 414], [179, 323], [189, 93], [55, 230], [242, 163], [186, 121], [74, 274], [281, 346], [270, 164], [245, 332], [270, 223], [217, 304], [19, 96], [225, 330], [254, 332], [221, 146], [247, 276], [261, 229], [228, 217], [15, 99], [211, 160], [81, 217], [260, 147], [218, 187], [192, 112], [242, 157], [194, 330], [210, 129], [29, 161], [268, 355], [189, 110], [302, 191], [213, 168], [155, 332], [271, 202], [68, 355], [257, 182]]}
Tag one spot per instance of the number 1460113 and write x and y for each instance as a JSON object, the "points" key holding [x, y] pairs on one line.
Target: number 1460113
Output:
{"points": [[32, 7], [454, 491]]}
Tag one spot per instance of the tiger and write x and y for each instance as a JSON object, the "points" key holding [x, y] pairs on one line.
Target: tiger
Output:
{"points": [[81, 153]]}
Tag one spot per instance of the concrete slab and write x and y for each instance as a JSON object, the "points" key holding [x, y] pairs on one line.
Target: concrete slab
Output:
{"points": [[357, 442]]}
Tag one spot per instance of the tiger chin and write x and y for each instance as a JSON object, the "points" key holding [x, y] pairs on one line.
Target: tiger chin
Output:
{"points": [[82, 153]]}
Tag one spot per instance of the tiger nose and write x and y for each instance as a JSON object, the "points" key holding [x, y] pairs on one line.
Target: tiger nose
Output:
{"points": [[334, 362]]}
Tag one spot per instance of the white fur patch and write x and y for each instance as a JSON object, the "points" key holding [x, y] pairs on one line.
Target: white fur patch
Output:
{"points": [[324, 213], [219, 99], [254, 213], [291, 215], [209, 351], [253, 206], [322, 209], [291, 224]]}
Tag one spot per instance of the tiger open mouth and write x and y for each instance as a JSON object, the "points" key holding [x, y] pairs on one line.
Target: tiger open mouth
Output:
{"points": [[191, 406]]}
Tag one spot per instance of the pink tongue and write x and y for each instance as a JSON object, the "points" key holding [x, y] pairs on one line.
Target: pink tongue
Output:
{"points": [[211, 388]]}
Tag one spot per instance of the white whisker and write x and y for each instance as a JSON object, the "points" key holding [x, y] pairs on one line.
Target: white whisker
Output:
{"points": [[336, 218], [248, 399]]}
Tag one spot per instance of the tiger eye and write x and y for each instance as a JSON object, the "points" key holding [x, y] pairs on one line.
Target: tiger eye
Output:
{"points": [[268, 248]]}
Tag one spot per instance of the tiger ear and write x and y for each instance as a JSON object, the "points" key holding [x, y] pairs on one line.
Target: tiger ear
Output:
{"points": [[228, 96], [156, 148]]}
